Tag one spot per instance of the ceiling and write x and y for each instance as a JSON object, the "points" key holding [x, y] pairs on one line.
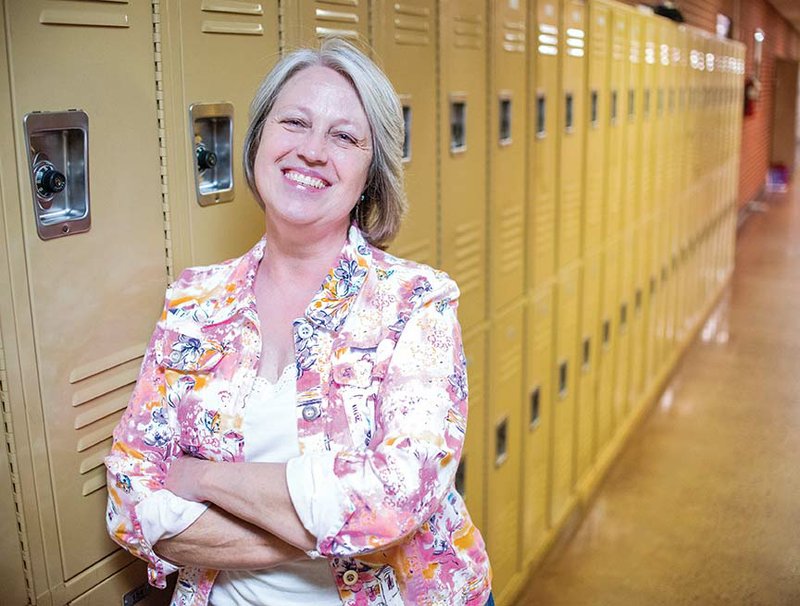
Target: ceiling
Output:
{"points": [[790, 9]]}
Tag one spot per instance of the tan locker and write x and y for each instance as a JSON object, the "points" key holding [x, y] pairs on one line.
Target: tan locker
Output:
{"points": [[617, 159], [571, 132], [505, 447], [588, 352], [471, 476], [624, 313], [404, 38], [633, 121], [207, 89], [650, 157], [87, 266], [545, 122], [304, 21], [117, 590], [597, 128], [638, 318], [565, 374], [508, 103], [462, 153], [607, 354], [536, 421]]}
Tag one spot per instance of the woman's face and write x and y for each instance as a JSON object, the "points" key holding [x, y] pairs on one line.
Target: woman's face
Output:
{"points": [[311, 164]]}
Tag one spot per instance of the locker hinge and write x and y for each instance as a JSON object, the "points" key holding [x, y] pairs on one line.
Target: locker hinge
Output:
{"points": [[11, 448], [162, 140]]}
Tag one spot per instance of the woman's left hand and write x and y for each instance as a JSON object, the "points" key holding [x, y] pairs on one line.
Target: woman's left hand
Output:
{"points": [[185, 478]]}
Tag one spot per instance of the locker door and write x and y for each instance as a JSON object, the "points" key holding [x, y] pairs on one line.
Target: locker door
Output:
{"points": [[304, 21], [508, 103], [571, 132], [207, 90], [565, 385], [405, 45], [597, 134], [645, 203], [638, 321], [85, 302], [607, 355], [545, 121], [633, 122], [588, 351], [462, 153], [618, 162], [537, 422], [471, 476], [505, 455], [624, 314]]}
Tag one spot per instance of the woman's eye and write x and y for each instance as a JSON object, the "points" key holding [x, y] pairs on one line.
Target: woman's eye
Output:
{"points": [[345, 138], [293, 122]]}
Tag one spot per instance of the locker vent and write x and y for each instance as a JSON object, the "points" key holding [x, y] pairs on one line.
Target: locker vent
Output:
{"points": [[90, 16], [412, 25], [11, 448], [339, 21], [514, 36], [468, 31]]}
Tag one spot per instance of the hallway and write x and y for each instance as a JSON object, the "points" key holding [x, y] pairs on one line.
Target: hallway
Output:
{"points": [[703, 506]]}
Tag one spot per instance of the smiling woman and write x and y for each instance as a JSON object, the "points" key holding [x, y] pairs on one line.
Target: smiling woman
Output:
{"points": [[296, 427]]}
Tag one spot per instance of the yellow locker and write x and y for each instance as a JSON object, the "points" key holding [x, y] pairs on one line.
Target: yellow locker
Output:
{"points": [[507, 153], [652, 303], [545, 122], [624, 312], [471, 475], [205, 89], [565, 383], [588, 351], [536, 421], [504, 476], [633, 121], [598, 75], [638, 318], [462, 152], [618, 162], [607, 355], [86, 266], [648, 160], [571, 132], [304, 21], [404, 39]]}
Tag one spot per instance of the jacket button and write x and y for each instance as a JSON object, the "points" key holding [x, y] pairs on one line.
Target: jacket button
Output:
{"points": [[310, 412], [350, 577]]}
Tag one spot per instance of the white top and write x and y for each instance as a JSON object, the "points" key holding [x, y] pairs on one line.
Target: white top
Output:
{"points": [[270, 424]]}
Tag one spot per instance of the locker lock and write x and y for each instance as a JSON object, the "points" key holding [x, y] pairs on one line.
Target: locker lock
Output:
{"points": [[49, 181], [205, 158]]}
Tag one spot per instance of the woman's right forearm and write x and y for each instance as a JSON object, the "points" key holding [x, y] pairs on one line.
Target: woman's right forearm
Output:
{"points": [[221, 541]]}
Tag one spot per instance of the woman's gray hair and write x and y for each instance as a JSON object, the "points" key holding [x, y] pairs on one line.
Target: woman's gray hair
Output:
{"points": [[383, 203]]}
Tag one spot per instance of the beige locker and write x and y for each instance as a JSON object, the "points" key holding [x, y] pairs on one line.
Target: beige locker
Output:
{"points": [[404, 39], [638, 319], [544, 123], [508, 137], [86, 264], [471, 476], [305, 21], [462, 153], [607, 354], [119, 584], [624, 312], [565, 374], [618, 162], [588, 352], [505, 447], [650, 156], [633, 122], [536, 421], [571, 132], [205, 89], [597, 125]]}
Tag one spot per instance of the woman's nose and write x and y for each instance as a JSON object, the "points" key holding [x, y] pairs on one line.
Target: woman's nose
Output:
{"points": [[313, 148]]}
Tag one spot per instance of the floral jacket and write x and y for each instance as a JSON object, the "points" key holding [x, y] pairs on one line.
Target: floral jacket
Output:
{"points": [[381, 392]]}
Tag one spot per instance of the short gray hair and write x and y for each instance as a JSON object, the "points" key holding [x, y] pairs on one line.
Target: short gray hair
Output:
{"points": [[384, 202]]}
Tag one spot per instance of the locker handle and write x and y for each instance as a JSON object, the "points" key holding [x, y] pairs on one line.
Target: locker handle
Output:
{"points": [[541, 116], [594, 110], [563, 375], [49, 181], [613, 107], [569, 117], [587, 354], [458, 126], [535, 407], [631, 104], [406, 133], [606, 333], [501, 442], [638, 299], [505, 120], [646, 103], [623, 316]]}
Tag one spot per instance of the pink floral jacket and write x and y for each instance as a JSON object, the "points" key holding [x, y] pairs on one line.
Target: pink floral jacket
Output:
{"points": [[381, 392]]}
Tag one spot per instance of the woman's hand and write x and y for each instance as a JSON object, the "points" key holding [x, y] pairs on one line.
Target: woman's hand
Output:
{"points": [[186, 476]]}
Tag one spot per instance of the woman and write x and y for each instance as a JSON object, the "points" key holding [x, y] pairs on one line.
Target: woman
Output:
{"points": [[285, 452]]}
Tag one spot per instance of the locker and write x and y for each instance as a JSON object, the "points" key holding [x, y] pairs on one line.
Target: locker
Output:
{"points": [[471, 475], [508, 104], [588, 350], [653, 301], [124, 587], [205, 91], [462, 153], [564, 377], [505, 447], [624, 313], [405, 46], [617, 159], [638, 317], [607, 355], [536, 420], [545, 121], [304, 22], [83, 301], [571, 132], [633, 122], [651, 153]]}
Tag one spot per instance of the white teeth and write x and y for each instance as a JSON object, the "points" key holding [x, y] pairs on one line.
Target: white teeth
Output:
{"points": [[305, 180]]}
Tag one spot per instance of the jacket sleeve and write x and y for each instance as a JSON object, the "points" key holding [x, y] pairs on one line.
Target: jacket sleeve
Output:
{"points": [[365, 499], [145, 441]]}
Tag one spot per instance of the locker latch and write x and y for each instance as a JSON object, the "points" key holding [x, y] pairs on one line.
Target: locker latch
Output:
{"points": [[211, 127]]}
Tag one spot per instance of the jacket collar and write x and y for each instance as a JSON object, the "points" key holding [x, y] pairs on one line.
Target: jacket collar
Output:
{"points": [[330, 305]]}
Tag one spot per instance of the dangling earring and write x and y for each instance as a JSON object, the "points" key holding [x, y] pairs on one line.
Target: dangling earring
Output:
{"points": [[359, 210]]}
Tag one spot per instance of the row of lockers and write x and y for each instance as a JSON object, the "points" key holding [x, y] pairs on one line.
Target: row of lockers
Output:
{"points": [[566, 161]]}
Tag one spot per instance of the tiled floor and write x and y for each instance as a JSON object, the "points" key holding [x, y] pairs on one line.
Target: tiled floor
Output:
{"points": [[703, 506]]}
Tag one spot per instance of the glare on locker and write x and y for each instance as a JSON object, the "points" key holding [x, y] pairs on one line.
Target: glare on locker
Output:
{"points": [[607, 354], [508, 130], [544, 131], [617, 159], [462, 153], [404, 40], [471, 475], [503, 481], [588, 351], [304, 22], [565, 373], [571, 132], [536, 420], [207, 90]]}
